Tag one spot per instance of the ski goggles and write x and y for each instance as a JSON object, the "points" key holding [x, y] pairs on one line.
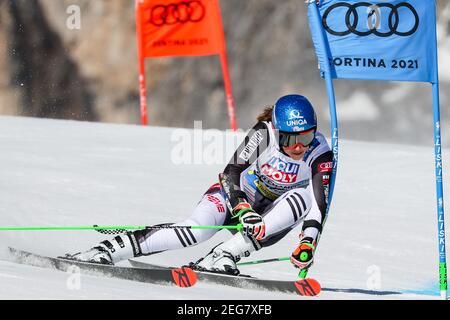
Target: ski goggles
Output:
{"points": [[289, 140]]}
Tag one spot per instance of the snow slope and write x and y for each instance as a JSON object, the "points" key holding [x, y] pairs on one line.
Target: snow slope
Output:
{"points": [[380, 238]]}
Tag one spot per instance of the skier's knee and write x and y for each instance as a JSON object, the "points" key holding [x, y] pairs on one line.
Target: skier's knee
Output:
{"points": [[142, 235]]}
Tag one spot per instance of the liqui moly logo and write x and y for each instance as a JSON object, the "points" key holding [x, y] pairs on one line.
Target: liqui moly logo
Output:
{"points": [[280, 171]]}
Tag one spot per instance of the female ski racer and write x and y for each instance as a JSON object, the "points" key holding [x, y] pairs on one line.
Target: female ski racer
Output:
{"points": [[278, 178]]}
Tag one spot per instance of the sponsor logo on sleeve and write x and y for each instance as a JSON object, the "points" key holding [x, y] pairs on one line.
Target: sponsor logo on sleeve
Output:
{"points": [[220, 207], [325, 167], [251, 146]]}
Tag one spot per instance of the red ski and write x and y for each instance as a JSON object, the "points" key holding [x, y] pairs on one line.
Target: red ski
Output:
{"points": [[308, 287], [305, 287]]}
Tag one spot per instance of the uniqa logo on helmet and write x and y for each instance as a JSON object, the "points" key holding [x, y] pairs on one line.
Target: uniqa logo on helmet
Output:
{"points": [[295, 120], [295, 114], [296, 123]]}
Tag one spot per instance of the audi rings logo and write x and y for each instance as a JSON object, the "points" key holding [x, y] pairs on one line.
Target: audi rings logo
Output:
{"points": [[376, 17], [181, 12]]}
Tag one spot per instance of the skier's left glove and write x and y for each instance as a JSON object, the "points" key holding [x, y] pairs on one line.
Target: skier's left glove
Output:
{"points": [[303, 255], [253, 225]]}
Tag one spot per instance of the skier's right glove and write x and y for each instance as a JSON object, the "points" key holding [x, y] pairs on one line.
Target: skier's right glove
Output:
{"points": [[236, 200], [303, 255], [253, 225]]}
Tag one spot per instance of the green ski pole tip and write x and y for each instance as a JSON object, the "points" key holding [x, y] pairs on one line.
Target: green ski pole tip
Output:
{"points": [[302, 274]]}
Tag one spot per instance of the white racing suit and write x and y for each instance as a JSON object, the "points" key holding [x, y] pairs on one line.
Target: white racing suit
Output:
{"points": [[285, 192]]}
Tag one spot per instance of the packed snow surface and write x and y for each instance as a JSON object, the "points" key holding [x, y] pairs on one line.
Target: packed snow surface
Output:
{"points": [[379, 242]]}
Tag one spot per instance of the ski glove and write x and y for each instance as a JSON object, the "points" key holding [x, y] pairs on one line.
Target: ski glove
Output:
{"points": [[253, 225], [303, 255]]}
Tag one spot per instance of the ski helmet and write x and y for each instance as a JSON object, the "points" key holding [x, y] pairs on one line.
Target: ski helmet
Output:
{"points": [[293, 113]]}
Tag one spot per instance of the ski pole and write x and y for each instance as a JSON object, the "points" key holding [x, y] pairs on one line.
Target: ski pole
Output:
{"points": [[119, 230], [302, 274], [263, 261], [116, 228]]}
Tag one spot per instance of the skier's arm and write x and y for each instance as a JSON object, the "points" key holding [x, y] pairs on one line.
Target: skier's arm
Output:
{"points": [[256, 141], [253, 145], [321, 173], [303, 255]]}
